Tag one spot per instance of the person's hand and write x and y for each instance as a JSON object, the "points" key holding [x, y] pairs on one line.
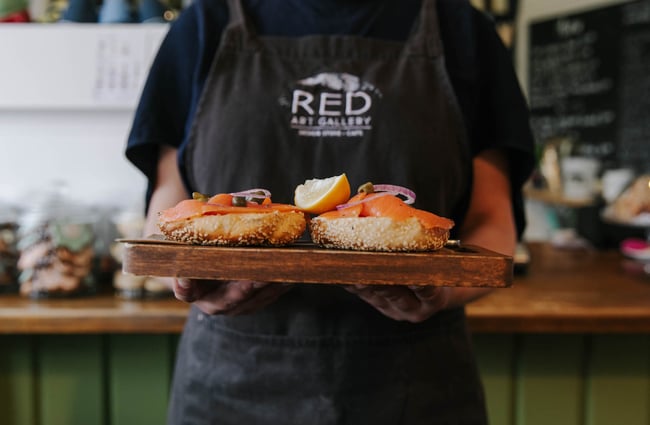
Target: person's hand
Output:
{"points": [[406, 303], [228, 297]]}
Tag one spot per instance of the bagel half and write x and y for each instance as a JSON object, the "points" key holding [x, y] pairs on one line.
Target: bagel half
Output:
{"points": [[216, 222], [380, 222], [237, 229], [376, 234]]}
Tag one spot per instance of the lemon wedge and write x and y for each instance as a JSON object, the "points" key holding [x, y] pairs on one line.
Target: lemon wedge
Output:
{"points": [[317, 196]]}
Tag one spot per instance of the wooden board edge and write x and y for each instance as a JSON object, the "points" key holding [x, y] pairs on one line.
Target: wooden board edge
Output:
{"points": [[478, 268]]}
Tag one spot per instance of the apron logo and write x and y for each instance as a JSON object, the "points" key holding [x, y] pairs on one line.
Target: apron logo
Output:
{"points": [[331, 105]]}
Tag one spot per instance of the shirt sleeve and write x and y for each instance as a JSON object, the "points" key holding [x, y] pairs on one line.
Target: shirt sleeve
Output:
{"points": [[502, 120], [162, 112]]}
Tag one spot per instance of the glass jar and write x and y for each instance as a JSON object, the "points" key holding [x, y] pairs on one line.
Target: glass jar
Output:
{"points": [[105, 264], [56, 250], [8, 248], [129, 225]]}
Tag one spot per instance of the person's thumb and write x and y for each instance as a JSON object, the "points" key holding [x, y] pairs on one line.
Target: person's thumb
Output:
{"points": [[185, 290]]}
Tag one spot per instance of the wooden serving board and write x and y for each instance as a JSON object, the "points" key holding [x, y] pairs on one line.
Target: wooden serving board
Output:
{"points": [[467, 266]]}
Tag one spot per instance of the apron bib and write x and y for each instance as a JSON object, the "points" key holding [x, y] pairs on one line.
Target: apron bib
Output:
{"points": [[275, 112]]}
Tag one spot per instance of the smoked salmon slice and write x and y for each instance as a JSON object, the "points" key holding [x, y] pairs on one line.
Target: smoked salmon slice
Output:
{"points": [[382, 204], [219, 205]]}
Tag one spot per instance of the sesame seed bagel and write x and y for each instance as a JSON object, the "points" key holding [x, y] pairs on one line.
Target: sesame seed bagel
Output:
{"points": [[237, 229], [376, 234]]}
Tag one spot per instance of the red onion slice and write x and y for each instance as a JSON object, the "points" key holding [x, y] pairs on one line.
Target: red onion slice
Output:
{"points": [[253, 193], [366, 199], [396, 190]]}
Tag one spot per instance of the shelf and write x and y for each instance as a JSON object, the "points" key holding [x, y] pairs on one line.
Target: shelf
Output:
{"points": [[68, 66], [562, 292], [569, 291], [103, 313], [556, 199]]}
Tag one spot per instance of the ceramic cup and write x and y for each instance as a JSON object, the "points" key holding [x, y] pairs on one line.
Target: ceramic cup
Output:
{"points": [[615, 181], [579, 177]]}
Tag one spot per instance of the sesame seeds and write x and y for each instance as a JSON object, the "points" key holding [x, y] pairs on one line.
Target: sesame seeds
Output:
{"points": [[275, 228], [376, 234]]}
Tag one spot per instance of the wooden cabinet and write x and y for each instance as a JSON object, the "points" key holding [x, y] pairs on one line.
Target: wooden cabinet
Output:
{"points": [[568, 341]]}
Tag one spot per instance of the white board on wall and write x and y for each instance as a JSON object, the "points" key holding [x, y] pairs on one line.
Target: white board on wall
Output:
{"points": [[75, 66]]}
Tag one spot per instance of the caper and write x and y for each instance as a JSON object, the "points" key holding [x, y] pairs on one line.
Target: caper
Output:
{"points": [[366, 188], [238, 201], [199, 196], [255, 199]]}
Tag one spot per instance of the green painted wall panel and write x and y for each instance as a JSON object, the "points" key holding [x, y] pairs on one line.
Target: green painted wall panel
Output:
{"points": [[72, 380], [549, 380], [139, 378], [124, 379], [495, 357], [618, 383], [17, 390]]}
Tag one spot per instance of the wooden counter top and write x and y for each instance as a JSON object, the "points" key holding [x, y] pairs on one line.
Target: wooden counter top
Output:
{"points": [[563, 291], [104, 313], [569, 291]]}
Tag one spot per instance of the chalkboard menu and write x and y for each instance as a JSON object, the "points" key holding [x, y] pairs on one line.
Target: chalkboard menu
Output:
{"points": [[589, 80]]}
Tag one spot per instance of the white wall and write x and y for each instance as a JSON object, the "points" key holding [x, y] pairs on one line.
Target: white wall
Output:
{"points": [[81, 149], [64, 116]]}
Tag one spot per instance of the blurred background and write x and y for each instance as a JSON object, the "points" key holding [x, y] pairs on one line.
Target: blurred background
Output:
{"points": [[72, 70], [567, 345]]}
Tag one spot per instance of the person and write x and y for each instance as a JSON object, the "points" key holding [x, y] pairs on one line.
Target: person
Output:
{"points": [[418, 93]]}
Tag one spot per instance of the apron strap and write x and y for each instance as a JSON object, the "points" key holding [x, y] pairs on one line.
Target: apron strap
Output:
{"points": [[425, 38], [239, 25]]}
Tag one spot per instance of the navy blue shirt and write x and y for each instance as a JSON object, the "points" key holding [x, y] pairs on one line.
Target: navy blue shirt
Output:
{"points": [[479, 66]]}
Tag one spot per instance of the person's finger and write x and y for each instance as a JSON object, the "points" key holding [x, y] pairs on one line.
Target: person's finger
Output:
{"points": [[397, 297], [434, 296], [223, 296], [367, 294], [236, 297], [424, 291], [193, 290], [404, 303], [358, 289], [259, 300], [185, 290]]}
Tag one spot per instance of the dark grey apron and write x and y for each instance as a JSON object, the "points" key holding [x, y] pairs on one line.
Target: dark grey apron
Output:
{"points": [[276, 111]]}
